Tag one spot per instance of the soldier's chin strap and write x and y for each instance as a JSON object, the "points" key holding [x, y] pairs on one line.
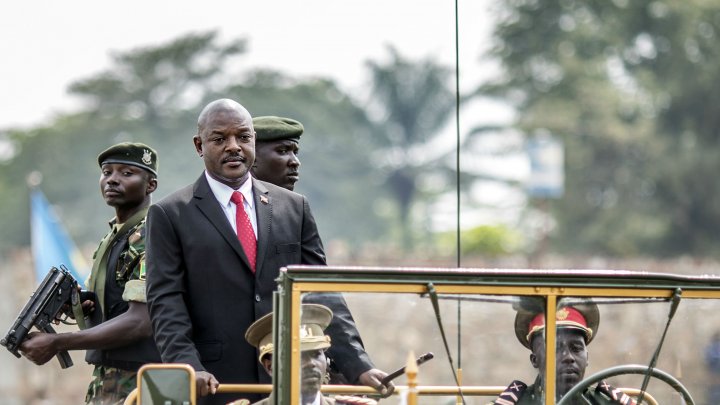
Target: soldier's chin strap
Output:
{"points": [[434, 299], [674, 303]]}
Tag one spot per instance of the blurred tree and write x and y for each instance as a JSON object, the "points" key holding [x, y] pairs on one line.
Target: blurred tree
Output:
{"points": [[610, 78], [413, 101], [150, 95], [154, 95], [154, 83], [336, 171]]}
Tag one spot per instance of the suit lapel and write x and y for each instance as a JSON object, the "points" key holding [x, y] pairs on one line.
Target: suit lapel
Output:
{"points": [[209, 206], [263, 210]]}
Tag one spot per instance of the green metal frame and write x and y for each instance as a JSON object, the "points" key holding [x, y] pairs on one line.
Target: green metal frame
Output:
{"points": [[550, 284]]}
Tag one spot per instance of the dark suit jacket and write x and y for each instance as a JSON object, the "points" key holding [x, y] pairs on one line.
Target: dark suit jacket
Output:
{"points": [[201, 293]]}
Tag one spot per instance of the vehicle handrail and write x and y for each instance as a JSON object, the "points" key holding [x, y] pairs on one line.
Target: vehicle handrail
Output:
{"points": [[356, 389]]}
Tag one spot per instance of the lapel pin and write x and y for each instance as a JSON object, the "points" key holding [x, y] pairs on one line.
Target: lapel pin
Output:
{"points": [[263, 199]]}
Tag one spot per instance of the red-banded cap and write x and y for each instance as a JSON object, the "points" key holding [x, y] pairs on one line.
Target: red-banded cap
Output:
{"points": [[584, 317]]}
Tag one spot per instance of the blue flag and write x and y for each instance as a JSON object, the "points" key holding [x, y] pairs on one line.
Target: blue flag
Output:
{"points": [[51, 245]]}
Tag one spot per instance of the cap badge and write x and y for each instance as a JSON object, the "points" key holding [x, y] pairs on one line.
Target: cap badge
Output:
{"points": [[147, 157], [562, 314], [305, 331]]}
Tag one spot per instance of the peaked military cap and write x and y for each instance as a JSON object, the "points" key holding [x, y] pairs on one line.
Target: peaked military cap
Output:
{"points": [[272, 128], [314, 318], [582, 316], [135, 154]]}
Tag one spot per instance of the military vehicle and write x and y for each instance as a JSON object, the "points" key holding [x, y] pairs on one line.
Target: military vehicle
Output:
{"points": [[651, 340]]}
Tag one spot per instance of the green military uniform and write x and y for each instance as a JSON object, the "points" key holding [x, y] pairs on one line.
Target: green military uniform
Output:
{"points": [[118, 277]]}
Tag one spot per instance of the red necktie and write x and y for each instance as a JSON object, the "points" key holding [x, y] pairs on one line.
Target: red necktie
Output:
{"points": [[245, 232]]}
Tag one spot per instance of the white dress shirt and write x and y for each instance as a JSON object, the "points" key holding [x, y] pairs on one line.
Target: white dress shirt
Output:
{"points": [[223, 192]]}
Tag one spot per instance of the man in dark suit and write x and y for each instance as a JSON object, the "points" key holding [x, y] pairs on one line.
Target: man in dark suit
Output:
{"points": [[214, 249]]}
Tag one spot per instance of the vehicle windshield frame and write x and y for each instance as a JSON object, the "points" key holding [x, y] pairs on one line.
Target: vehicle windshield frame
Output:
{"points": [[294, 281]]}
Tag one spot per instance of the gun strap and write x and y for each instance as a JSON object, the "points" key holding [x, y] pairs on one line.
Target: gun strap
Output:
{"points": [[100, 266], [77, 309]]}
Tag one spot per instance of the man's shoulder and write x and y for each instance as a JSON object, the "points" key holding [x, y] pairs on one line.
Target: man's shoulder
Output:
{"points": [[349, 400], [180, 196], [277, 193], [264, 186], [605, 393]]}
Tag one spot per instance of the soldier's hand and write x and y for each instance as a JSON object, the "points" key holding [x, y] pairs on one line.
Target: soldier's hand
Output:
{"points": [[39, 347], [372, 378], [88, 306], [205, 383]]}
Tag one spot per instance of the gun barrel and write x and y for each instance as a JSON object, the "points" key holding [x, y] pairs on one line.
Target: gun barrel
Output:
{"points": [[397, 373]]}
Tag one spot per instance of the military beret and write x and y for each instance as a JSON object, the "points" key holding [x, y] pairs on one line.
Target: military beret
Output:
{"points": [[314, 318], [135, 154], [271, 128], [582, 316]]}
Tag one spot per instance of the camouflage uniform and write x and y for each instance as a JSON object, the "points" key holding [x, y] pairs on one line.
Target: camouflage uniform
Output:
{"points": [[110, 386], [124, 252]]}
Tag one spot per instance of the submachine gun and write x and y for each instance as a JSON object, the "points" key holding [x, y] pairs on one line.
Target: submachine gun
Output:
{"points": [[58, 289]]}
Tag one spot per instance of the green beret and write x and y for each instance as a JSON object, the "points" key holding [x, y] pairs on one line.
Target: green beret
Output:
{"points": [[271, 128], [135, 154]]}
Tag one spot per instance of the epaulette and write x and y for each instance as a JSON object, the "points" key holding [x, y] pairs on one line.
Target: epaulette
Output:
{"points": [[351, 400], [614, 394], [512, 393], [239, 402]]}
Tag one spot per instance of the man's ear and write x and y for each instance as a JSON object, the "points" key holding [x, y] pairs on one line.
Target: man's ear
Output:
{"points": [[267, 364], [198, 144], [533, 360], [152, 185]]}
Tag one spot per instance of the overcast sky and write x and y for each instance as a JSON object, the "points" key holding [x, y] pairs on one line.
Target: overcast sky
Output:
{"points": [[46, 44]]}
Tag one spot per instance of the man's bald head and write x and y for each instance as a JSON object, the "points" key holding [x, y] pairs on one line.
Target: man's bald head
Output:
{"points": [[226, 141], [223, 104]]}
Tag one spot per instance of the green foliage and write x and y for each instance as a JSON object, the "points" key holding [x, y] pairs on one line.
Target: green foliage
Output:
{"points": [[336, 173], [154, 95], [413, 100], [612, 79], [490, 241]]}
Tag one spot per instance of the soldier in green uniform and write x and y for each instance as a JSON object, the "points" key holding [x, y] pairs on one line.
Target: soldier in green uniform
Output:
{"points": [[577, 325], [118, 335], [277, 145], [314, 318]]}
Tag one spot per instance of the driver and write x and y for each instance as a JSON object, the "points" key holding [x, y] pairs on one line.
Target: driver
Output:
{"points": [[577, 325]]}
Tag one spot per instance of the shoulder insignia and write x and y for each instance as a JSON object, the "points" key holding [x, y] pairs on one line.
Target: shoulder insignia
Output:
{"points": [[351, 400], [512, 393], [239, 402], [615, 394]]}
